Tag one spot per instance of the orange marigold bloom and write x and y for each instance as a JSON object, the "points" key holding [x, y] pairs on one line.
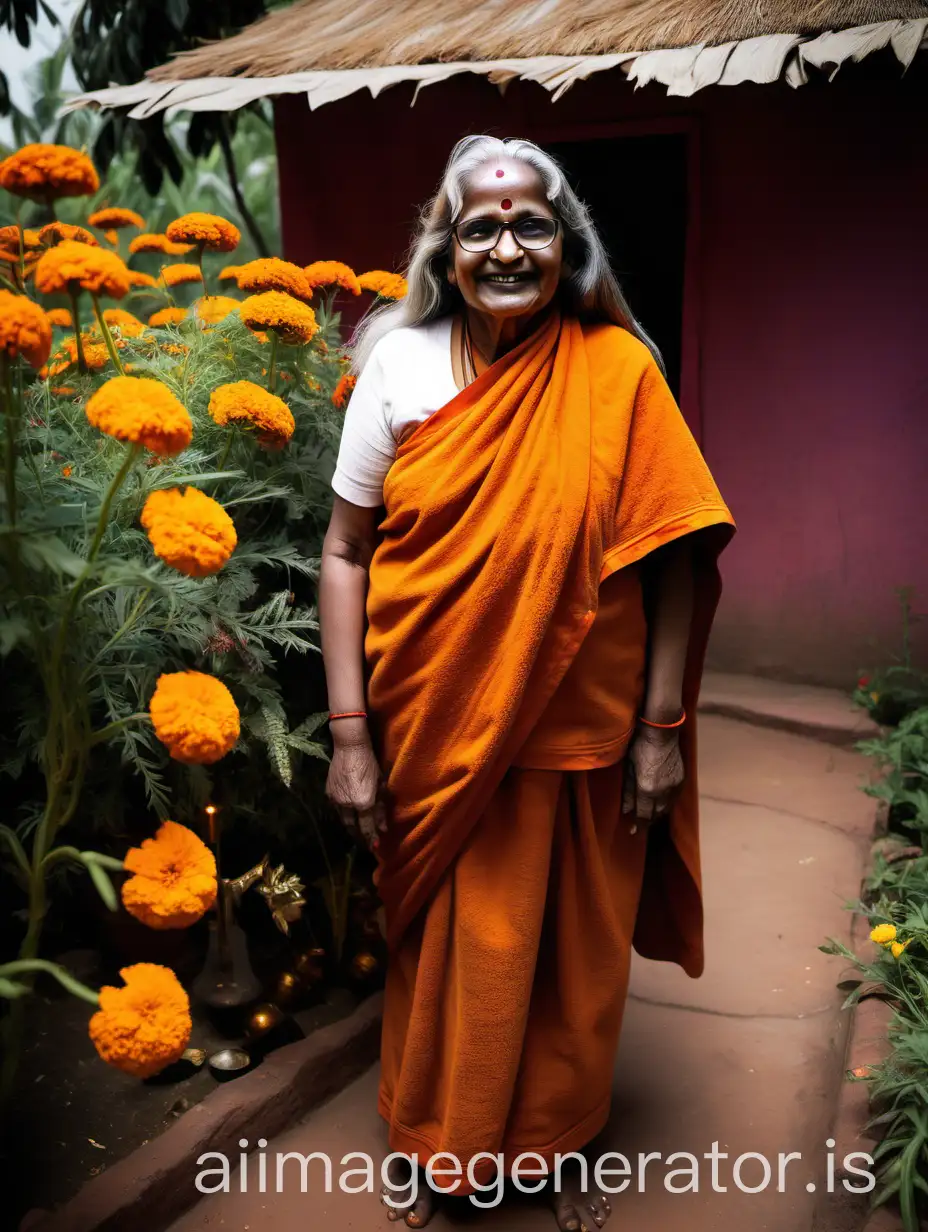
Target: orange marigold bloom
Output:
{"points": [[189, 530], [167, 316], [142, 410], [113, 217], [144, 1026], [333, 273], [47, 172], [9, 243], [211, 309], [66, 471], [210, 230], [175, 878], [381, 282], [343, 390], [57, 232], [195, 716], [73, 264], [127, 323], [96, 356], [24, 329], [60, 316], [272, 274], [112, 237], [183, 271], [249, 404], [153, 242], [139, 279], [292, 321], [228, 272]]}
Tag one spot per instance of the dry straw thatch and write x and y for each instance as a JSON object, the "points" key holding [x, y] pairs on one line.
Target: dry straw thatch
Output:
{"points": [[330, 34]]}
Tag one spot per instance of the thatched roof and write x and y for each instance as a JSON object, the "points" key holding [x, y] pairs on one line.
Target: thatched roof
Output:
{"points": [[332, 34]]}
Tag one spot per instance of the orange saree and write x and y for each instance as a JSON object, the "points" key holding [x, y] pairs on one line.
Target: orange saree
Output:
{"points": [[506, 651]]}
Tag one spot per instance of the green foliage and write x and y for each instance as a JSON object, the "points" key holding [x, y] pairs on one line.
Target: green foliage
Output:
{"points": [[901, 754], [890, 693], [18, 17]]}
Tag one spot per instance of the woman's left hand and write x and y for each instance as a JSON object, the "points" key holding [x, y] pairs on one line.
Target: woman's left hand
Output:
{"points": [[654, 773]]}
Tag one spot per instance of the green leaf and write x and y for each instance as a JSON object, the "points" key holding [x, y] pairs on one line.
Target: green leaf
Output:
{"points": [[102, 861], [13, 631], [17, 850], [11, 990], [47, 552], [103, 884]]}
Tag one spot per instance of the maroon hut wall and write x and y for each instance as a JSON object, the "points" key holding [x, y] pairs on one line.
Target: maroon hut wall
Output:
{"points": [[805, 326]]}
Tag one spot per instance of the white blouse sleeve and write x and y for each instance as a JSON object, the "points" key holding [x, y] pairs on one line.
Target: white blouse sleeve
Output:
{"points": [[368, 447]]}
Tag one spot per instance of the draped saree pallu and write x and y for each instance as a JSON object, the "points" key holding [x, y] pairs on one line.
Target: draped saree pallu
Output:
{"points": [[506, 652]]}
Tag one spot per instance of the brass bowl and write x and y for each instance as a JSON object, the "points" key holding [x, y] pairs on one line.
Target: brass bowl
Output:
{"points": [[229, 1063]]}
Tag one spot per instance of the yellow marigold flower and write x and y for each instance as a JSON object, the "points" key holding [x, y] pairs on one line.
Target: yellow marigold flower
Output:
{"points": [[195, 716], [142, 410], [139, 279], [189, 530], [874, 697], [292, 321], [381, 282], [272, 274], [60, 316], [153, 242], [47, 172], [332, 273], [126, 322], [144, 1026], [248, 404], [183, 271], [343, 390], [174, 882], [228, 272], [883, 934], [211, 309], [57, 232], [71, 264], [899, 947], [24, 329], [113, 217], [96, 356], [112, 237], [175, 348], [167, 316], [210, 230]]}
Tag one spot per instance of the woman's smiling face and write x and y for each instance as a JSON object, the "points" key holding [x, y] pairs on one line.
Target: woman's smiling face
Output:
{"points": [[508, 281]]}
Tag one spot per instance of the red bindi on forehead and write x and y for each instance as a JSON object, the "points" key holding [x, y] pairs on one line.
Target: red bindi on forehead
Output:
{"points": [[505, 204], [500, 173]]}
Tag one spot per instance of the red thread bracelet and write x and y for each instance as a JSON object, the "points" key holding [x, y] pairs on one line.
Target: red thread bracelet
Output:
{"points": [[349, 714], [664, 726]]}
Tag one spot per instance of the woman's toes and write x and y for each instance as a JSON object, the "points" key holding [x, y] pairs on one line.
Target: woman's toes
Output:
{"points": [[421, 1213], [567, 1218], [600, 1210]]}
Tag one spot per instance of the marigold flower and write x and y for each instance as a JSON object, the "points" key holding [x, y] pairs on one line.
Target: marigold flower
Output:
{"points": [[863, 681], [874, 697], [174, 882], [211, 309], [60, 316], [228, 272], [96, 355], [332, 273], [126, 322], [273, 274], [71, 264], [167, 316], [246, 403], [47, 172], [175, 348], [292, 321], [63, 391], [10, 244], [24, 329], [210, 230], [883, 934], [56, 232], [898, 948], [183, 271], [154, 242], [142, 410], [381, 282], [112, 237], [144, 1026], [195, 716], [139, 279], [67, 471], [113, 217], [189, 530], [343, 390]]}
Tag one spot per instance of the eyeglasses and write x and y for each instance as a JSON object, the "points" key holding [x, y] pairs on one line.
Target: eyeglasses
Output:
{"points": [[483, 234]]}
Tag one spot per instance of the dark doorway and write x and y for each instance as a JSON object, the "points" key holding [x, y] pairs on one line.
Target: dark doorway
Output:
{"points": [[636, 189]]}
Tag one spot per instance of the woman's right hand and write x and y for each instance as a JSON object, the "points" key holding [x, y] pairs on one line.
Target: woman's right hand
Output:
{"points": [[353, 785]]}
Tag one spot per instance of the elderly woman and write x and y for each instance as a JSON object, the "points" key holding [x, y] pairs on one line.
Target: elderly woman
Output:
{"points": [[531, 532]]}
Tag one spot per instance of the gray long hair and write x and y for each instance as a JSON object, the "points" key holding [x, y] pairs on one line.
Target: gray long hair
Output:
{"points": [[592, 291]]}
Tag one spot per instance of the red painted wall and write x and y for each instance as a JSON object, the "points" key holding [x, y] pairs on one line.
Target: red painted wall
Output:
{"points": [[805, 317]]}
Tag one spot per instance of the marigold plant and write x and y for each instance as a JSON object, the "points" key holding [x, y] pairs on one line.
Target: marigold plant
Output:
{"points": [[382, 282], [10, 243], [47, 172], [72, 264], [194, 716], [211, 309], [189, 530], [96, 355], [24, 329], [273, 274], [333, 273], [342, 391], [154, 242], [61, 317], [183, 271], [245, 403], [56, 232], [207, 229], [141, 410], [167, 316], [126, 322], [144, 1026], [138, 278], [228, 273], [174, 881], [291, 320], [114, 217], [112, 237]]}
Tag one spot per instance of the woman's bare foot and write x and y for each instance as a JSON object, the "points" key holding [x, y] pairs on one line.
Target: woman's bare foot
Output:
{"points": [[574, 1210], [415, 1204]]}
